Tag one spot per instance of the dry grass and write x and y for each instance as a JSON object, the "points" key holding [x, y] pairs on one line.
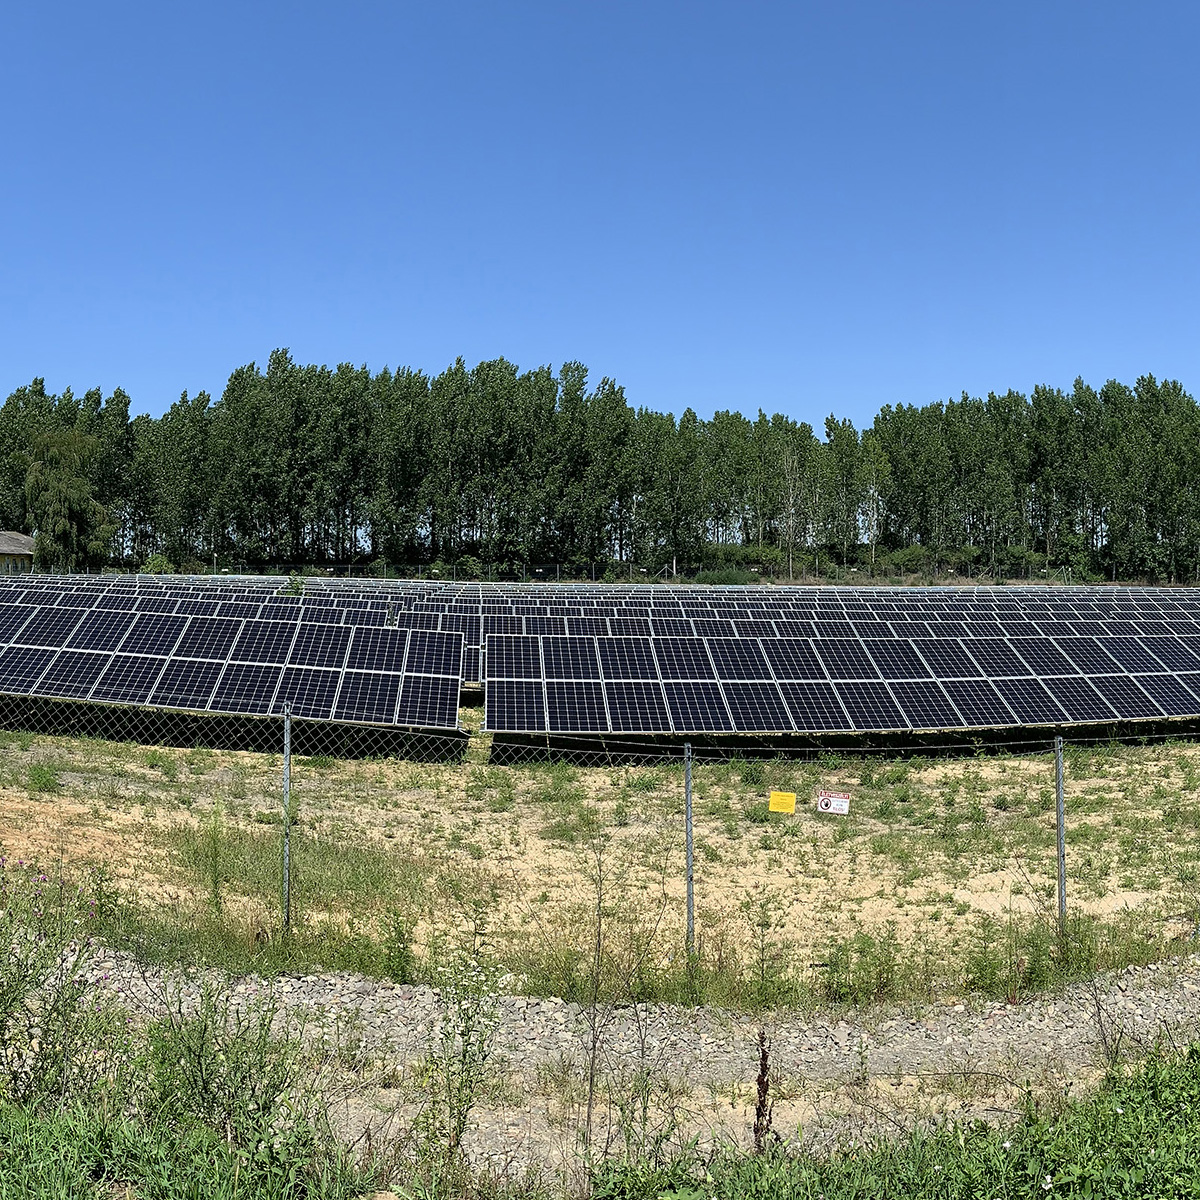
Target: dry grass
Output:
{"points": [[506, 856]]}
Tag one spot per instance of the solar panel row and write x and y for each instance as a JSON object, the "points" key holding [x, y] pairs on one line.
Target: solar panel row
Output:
{"points": [[697, 685], [221, 664]]}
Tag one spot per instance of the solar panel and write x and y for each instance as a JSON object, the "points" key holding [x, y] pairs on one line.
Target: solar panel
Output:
{"points": [[368, 696], [1170, 694], [49, 627], [319, 646], [845, 659], [793, 658], [896, 659], [373, 649], [697, 707], [264, 642], [570, 658], [72, 674], [738, 659], [1125, 696], [246, 688], [627, 658], [683, 659], [100, 629], [186, 683], [575, 705], [870, 706], [637, 707], [814, 706], [926, 705], [515, 705], [428, 700], [757, 708], [309, 690], [128, 679], [513, 657], [1079, 700], [1030, 701]]}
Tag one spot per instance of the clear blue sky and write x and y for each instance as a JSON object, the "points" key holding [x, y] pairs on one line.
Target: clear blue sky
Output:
{"points": [[803, 207]]}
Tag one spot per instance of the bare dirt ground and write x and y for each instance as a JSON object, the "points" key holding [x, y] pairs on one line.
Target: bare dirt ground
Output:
{"points": [[512, 854]]}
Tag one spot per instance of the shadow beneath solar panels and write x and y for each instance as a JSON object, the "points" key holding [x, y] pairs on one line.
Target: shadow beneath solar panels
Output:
{"points": [[511, 748], [224, 731]]}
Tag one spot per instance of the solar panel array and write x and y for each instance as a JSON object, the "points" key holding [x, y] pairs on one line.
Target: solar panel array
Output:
{"points": [[225, 649], [608, 660], [847, 660]]}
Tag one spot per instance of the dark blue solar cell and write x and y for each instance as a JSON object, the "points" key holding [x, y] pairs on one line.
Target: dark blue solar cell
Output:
{"points": [[627, 658], [738, 658], [429, 701], [101, 629], [515, 706], [12, 617], [814, 706], [49, 627], [926, 705], [1079, 699], [186, 683], [671, 627], [21, 666], [1043, 656], [1030, 701], [264, 642], [546, 626], [153, 633], [1170, 694], [431, 653], [995, 656], [697, 707], [1131, 654], [309, 690], [792, 658], [377, 650], [246, 688], [129, 679], [575, 706], [896, 659], [1126, 697], [513, 657], [367, 696], [682, 658], [947, 658], [757, 708], [319, 646], [870, 706], [570, 658], [845, 658], [73, 674], [637, 707]]}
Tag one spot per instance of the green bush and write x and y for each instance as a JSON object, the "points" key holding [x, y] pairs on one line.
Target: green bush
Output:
{"points": [[158, 564], [727, 575], [1137, 1137]]}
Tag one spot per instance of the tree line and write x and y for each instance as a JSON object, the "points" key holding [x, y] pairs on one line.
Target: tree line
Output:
{"points": [[490, 468]]}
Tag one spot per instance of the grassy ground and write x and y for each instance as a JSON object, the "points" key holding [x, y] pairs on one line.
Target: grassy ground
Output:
{"points": [[941, 880]]}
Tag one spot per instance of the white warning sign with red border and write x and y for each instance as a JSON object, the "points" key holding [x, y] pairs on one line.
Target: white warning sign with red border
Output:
{"points": [[836, 803]]}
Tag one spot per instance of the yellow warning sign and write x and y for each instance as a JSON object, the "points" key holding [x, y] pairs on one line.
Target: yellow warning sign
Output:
{"points": [[782, 802]]}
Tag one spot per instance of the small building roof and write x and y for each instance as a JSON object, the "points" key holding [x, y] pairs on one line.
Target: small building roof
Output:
{"points": [[15, 543]]}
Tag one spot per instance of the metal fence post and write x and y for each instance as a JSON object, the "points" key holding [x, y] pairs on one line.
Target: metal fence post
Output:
{"points": [[1062, 836], [287, 818], [687, 803]]}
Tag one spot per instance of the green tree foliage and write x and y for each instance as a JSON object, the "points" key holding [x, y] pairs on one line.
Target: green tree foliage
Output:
{"points": [[297, 464], [73, 530]]}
